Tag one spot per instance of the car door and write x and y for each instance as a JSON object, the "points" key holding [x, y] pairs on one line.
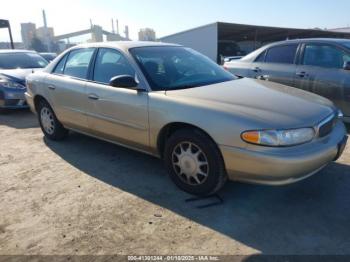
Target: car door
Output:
{"points": [[67, 87], [117, 114], [321, 72], [276, 64]]}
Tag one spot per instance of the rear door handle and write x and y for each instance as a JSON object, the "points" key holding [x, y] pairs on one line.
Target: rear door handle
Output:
{"points": [[51, 87], [256, 69], [301, 74], [93, 97]]}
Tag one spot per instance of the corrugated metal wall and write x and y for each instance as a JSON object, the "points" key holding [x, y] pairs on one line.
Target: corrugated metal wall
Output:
{"points": [[202, 39]]}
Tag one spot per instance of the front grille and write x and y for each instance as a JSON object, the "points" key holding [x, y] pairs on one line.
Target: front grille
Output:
{"points": [[12, 102], [326, 127]]}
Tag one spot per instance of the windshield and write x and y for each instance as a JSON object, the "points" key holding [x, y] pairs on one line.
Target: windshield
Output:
{"points": [[21, 60], [171, 68], [48, 57]]}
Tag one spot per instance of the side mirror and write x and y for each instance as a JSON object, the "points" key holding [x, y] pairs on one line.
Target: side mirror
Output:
{"points": [[346, 65], [124, 81]]}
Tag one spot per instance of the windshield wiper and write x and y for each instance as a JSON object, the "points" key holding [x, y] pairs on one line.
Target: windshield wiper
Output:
{"points": [[182, 87]]}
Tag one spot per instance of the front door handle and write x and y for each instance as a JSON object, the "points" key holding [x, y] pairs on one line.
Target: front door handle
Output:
{"points": [[93, 97], [51, 87], [264, 77]]}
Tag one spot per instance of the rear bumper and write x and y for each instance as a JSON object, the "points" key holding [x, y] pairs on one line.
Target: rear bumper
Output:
{"points": [[279, 166]]}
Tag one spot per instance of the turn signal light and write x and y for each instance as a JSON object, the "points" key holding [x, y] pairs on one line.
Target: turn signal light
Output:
{"points": [[251, 137]]}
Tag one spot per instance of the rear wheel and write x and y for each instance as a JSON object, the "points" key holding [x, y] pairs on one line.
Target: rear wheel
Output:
{"points": [[51, 127], [194, 162]]}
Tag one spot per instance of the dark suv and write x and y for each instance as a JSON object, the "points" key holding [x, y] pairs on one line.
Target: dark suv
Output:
{"points": [[321, 66]]}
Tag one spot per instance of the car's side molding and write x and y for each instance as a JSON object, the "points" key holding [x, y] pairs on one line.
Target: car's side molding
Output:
{"points": [[117, 121], [148, 152]]}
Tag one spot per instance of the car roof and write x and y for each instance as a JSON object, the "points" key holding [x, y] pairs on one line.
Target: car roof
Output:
{"points": [[9, 51], [321, 40], [125, 45], [253, 55], [47, 53]]}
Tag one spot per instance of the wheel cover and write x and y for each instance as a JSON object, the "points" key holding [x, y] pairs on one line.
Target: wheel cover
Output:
{"points": [[47, 120], [190, 163]]}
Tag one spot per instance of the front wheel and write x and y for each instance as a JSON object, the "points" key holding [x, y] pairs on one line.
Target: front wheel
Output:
{"points": [[194, 162], [51, 127]]}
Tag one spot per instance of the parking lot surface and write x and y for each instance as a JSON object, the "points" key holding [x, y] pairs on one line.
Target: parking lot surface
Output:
{"points": [[85, 196]]}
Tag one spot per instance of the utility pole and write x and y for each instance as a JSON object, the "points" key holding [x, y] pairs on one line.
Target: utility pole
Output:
{"points": [[10, 33], [46, 33], [6, 24], [126, 32], [113, 27]]}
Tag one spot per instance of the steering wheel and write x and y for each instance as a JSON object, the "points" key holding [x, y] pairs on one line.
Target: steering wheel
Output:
{"points": [[188, 72]]}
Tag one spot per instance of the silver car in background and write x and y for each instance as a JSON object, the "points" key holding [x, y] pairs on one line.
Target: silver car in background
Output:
{"points": [[176, 104], [320, 66]]}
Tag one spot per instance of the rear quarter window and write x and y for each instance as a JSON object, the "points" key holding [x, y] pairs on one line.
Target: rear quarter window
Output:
{"points": [[59, 69], [261, 58], [78, 62]]}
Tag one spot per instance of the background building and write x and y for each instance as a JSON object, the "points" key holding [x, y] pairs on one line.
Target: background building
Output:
{"points": [[220, 39], [28, 32], [45, 34], [43, 39], [343, 29], [147, 34], [7, 45]]}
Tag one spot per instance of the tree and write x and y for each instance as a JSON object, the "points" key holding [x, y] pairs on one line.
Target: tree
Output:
{"points": [[38, 45]]}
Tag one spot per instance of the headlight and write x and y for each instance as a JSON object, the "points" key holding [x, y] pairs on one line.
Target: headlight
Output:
{"points": [[279, 137], [10, 84], [340, 114]]}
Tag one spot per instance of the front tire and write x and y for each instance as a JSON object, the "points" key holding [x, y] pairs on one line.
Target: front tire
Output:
{"points": [[194, 162], [50, 125]]}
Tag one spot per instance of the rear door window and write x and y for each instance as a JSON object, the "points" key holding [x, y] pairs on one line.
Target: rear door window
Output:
{"points": [[284, 54], [323, 55], [78, 62]]}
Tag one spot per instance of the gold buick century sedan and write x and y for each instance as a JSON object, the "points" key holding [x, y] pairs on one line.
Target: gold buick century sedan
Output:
{"points": [[176, 104]]}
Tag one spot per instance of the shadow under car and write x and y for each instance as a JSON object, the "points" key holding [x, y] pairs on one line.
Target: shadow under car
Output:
{"points": [[309, 217]]}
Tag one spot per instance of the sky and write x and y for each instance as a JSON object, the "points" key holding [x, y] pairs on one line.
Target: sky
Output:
{"points": [[171, 16]]}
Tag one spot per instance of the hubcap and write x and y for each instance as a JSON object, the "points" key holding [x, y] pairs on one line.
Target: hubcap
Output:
{"points": [[47, 120], [190, 163]]}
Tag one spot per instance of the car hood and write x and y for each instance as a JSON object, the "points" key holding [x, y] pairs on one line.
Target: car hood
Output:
{"points": [[18, 75], [270, 104]]}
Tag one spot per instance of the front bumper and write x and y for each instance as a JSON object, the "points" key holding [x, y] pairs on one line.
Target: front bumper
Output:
{"points": [[279, 166], [12, 99], [30, 101]]}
